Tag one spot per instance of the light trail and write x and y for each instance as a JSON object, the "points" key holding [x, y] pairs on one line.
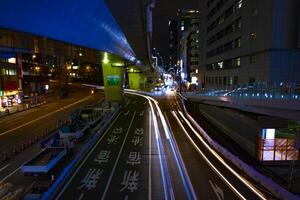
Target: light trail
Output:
{"points": [[189, 190], [207, 160], [213, 152]]}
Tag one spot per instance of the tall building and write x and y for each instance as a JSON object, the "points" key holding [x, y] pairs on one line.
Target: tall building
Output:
{"points": [[173, 44], [247, 41], [183, 43]]}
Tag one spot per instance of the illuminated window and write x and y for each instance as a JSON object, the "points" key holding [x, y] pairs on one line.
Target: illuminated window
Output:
{"points": [[253, 35], [220, 64], [11, 72], [240, 3], [230, 80], [12, 60], [238, 62], [252, 59]]}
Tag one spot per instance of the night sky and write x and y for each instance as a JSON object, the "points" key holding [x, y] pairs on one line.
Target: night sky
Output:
{"points": [[163, 11]]}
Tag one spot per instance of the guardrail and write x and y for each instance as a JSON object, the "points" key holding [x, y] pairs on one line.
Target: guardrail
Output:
{"points": [[69, 169], [266, 182]]}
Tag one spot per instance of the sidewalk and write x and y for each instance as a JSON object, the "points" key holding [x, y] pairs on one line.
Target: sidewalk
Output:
{"points": [[24, 106]]}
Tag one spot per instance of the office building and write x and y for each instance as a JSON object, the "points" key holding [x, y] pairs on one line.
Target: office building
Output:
{"points": [[247, 41]]}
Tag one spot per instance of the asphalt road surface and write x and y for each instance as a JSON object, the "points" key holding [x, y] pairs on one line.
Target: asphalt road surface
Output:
{"points": [[150, 151], [124, 164], [20, 127], [212, 176]]}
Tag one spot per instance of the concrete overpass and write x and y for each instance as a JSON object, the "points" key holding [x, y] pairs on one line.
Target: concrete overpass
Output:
{"points": [[111, 32]]}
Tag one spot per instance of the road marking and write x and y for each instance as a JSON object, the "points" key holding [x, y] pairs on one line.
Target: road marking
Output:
{"points": [[44, 116], [142, 113], [212, 151], [28, 188], [86, 157], [150, 161], [207, 160], [126, 113], [3, 168], [81, 196], [117, 160], [12, 173], [218, 191], [167, 187], [180, 164]]}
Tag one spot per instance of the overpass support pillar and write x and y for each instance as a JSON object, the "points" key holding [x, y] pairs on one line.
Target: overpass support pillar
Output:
{"points": [[113, 78], [137, 80]]}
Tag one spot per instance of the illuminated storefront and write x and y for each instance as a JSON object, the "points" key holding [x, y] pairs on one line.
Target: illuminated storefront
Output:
{"points": [[9, 81], [274, 146]]}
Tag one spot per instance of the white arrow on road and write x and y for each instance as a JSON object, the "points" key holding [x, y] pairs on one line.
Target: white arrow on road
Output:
{"points": [[126, 113], [218, 191]]}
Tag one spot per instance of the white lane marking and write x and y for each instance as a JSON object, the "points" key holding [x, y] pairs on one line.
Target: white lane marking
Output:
{"points": [[163, 171], [44, 116], [118, 158], [218, 191], [126, 113], [142, 113], [208, 161], [212, 151], [168, 191], [86, 157], [28, 188], [12, 173], [178, 157], [150, 161], [81, 196], [3, 168]]}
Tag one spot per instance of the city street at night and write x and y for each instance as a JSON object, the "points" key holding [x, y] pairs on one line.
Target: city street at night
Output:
{"points": [[149, 99]]}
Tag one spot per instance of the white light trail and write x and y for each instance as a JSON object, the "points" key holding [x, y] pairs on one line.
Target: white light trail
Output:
{"points": [[242, 179]]}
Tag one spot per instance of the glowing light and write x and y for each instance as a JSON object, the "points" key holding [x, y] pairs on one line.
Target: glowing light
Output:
{"points": [[105, 59], [194, 80], [244, 181], [12, 60], [118, 64]]}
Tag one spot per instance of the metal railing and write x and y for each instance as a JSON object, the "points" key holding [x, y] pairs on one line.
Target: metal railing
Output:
{"points": [[257, 91]]}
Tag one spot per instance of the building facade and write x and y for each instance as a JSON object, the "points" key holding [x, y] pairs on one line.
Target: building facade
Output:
{"points": [[247, 41], [173, 44], [183, 43]]}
